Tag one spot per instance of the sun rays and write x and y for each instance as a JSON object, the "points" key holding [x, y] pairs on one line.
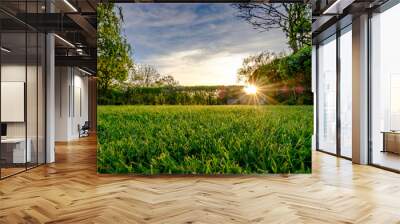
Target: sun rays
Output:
{"points": [[250, 89], [260, 93]]}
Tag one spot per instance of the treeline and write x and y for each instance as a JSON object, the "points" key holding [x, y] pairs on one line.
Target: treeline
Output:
{"points": [[280, 78], [292, 71], [202, 95]]}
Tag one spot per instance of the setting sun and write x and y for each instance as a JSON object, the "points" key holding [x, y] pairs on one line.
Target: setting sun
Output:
{"points": [[250, 90]]}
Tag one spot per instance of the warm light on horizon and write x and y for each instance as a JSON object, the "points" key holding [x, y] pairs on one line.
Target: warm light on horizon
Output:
{"points": [[216, 69], [250, 89]]}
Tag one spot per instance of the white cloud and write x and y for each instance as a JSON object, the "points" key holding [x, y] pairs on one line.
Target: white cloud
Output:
{"points": [[164, 15], [196, 43], [192, 67]]}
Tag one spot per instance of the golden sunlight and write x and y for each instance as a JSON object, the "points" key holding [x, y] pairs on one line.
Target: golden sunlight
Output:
{"points": [[250, 89]]}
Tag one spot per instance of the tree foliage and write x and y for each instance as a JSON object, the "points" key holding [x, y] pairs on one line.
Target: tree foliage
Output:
{"points": [[282, 73], [253, 62], [167, 80], [171, 95], [200, 95], [294, 19], [148, 76], [113, 51]]}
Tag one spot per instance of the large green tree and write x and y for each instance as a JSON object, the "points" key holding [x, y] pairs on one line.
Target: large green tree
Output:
{"points": [[294, 19], [113, 51]]}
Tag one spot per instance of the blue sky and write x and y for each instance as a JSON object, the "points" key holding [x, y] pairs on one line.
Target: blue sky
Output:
{"points": [[198, 44]]}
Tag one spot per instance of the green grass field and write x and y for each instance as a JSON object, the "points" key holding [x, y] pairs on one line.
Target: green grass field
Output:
{"points": [[204, 139]]}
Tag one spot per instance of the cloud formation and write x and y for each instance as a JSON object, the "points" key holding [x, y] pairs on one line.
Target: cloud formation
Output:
{"points": [[198, 44]]}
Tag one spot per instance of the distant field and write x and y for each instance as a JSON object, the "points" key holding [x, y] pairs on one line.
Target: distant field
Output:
{"points": [[204, 139]]}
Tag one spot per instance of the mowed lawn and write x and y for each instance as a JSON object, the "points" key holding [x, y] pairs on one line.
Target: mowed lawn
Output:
{"points": [[204, 139]]}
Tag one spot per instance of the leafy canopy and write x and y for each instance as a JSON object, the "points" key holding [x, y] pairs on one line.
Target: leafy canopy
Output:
{"points": [[113, 51]]}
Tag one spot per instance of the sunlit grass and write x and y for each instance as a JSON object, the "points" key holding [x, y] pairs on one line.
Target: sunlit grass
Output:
{"points": [[204, 139]]}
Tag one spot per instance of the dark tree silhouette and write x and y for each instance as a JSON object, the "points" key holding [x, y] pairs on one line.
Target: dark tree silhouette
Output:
{"points": [[294, 19]]}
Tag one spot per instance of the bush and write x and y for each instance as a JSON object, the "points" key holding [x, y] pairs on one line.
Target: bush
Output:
{"points": [[290, 77], [195, 95]]}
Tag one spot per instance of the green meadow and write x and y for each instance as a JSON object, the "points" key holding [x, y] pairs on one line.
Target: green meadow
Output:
{"points": [[225, 139]]}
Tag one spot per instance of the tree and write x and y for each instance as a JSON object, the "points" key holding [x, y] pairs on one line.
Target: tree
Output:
{"points": [[294, 19], [167, 80], [113, 51], [148, 76], [253, 62], [145, 75]]}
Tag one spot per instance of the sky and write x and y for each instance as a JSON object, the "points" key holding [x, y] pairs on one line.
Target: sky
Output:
{"points": [[198, 44]]}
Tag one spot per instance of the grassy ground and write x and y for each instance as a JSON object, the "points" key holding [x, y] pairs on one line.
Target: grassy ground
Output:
{"points": [[204, 139]]}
